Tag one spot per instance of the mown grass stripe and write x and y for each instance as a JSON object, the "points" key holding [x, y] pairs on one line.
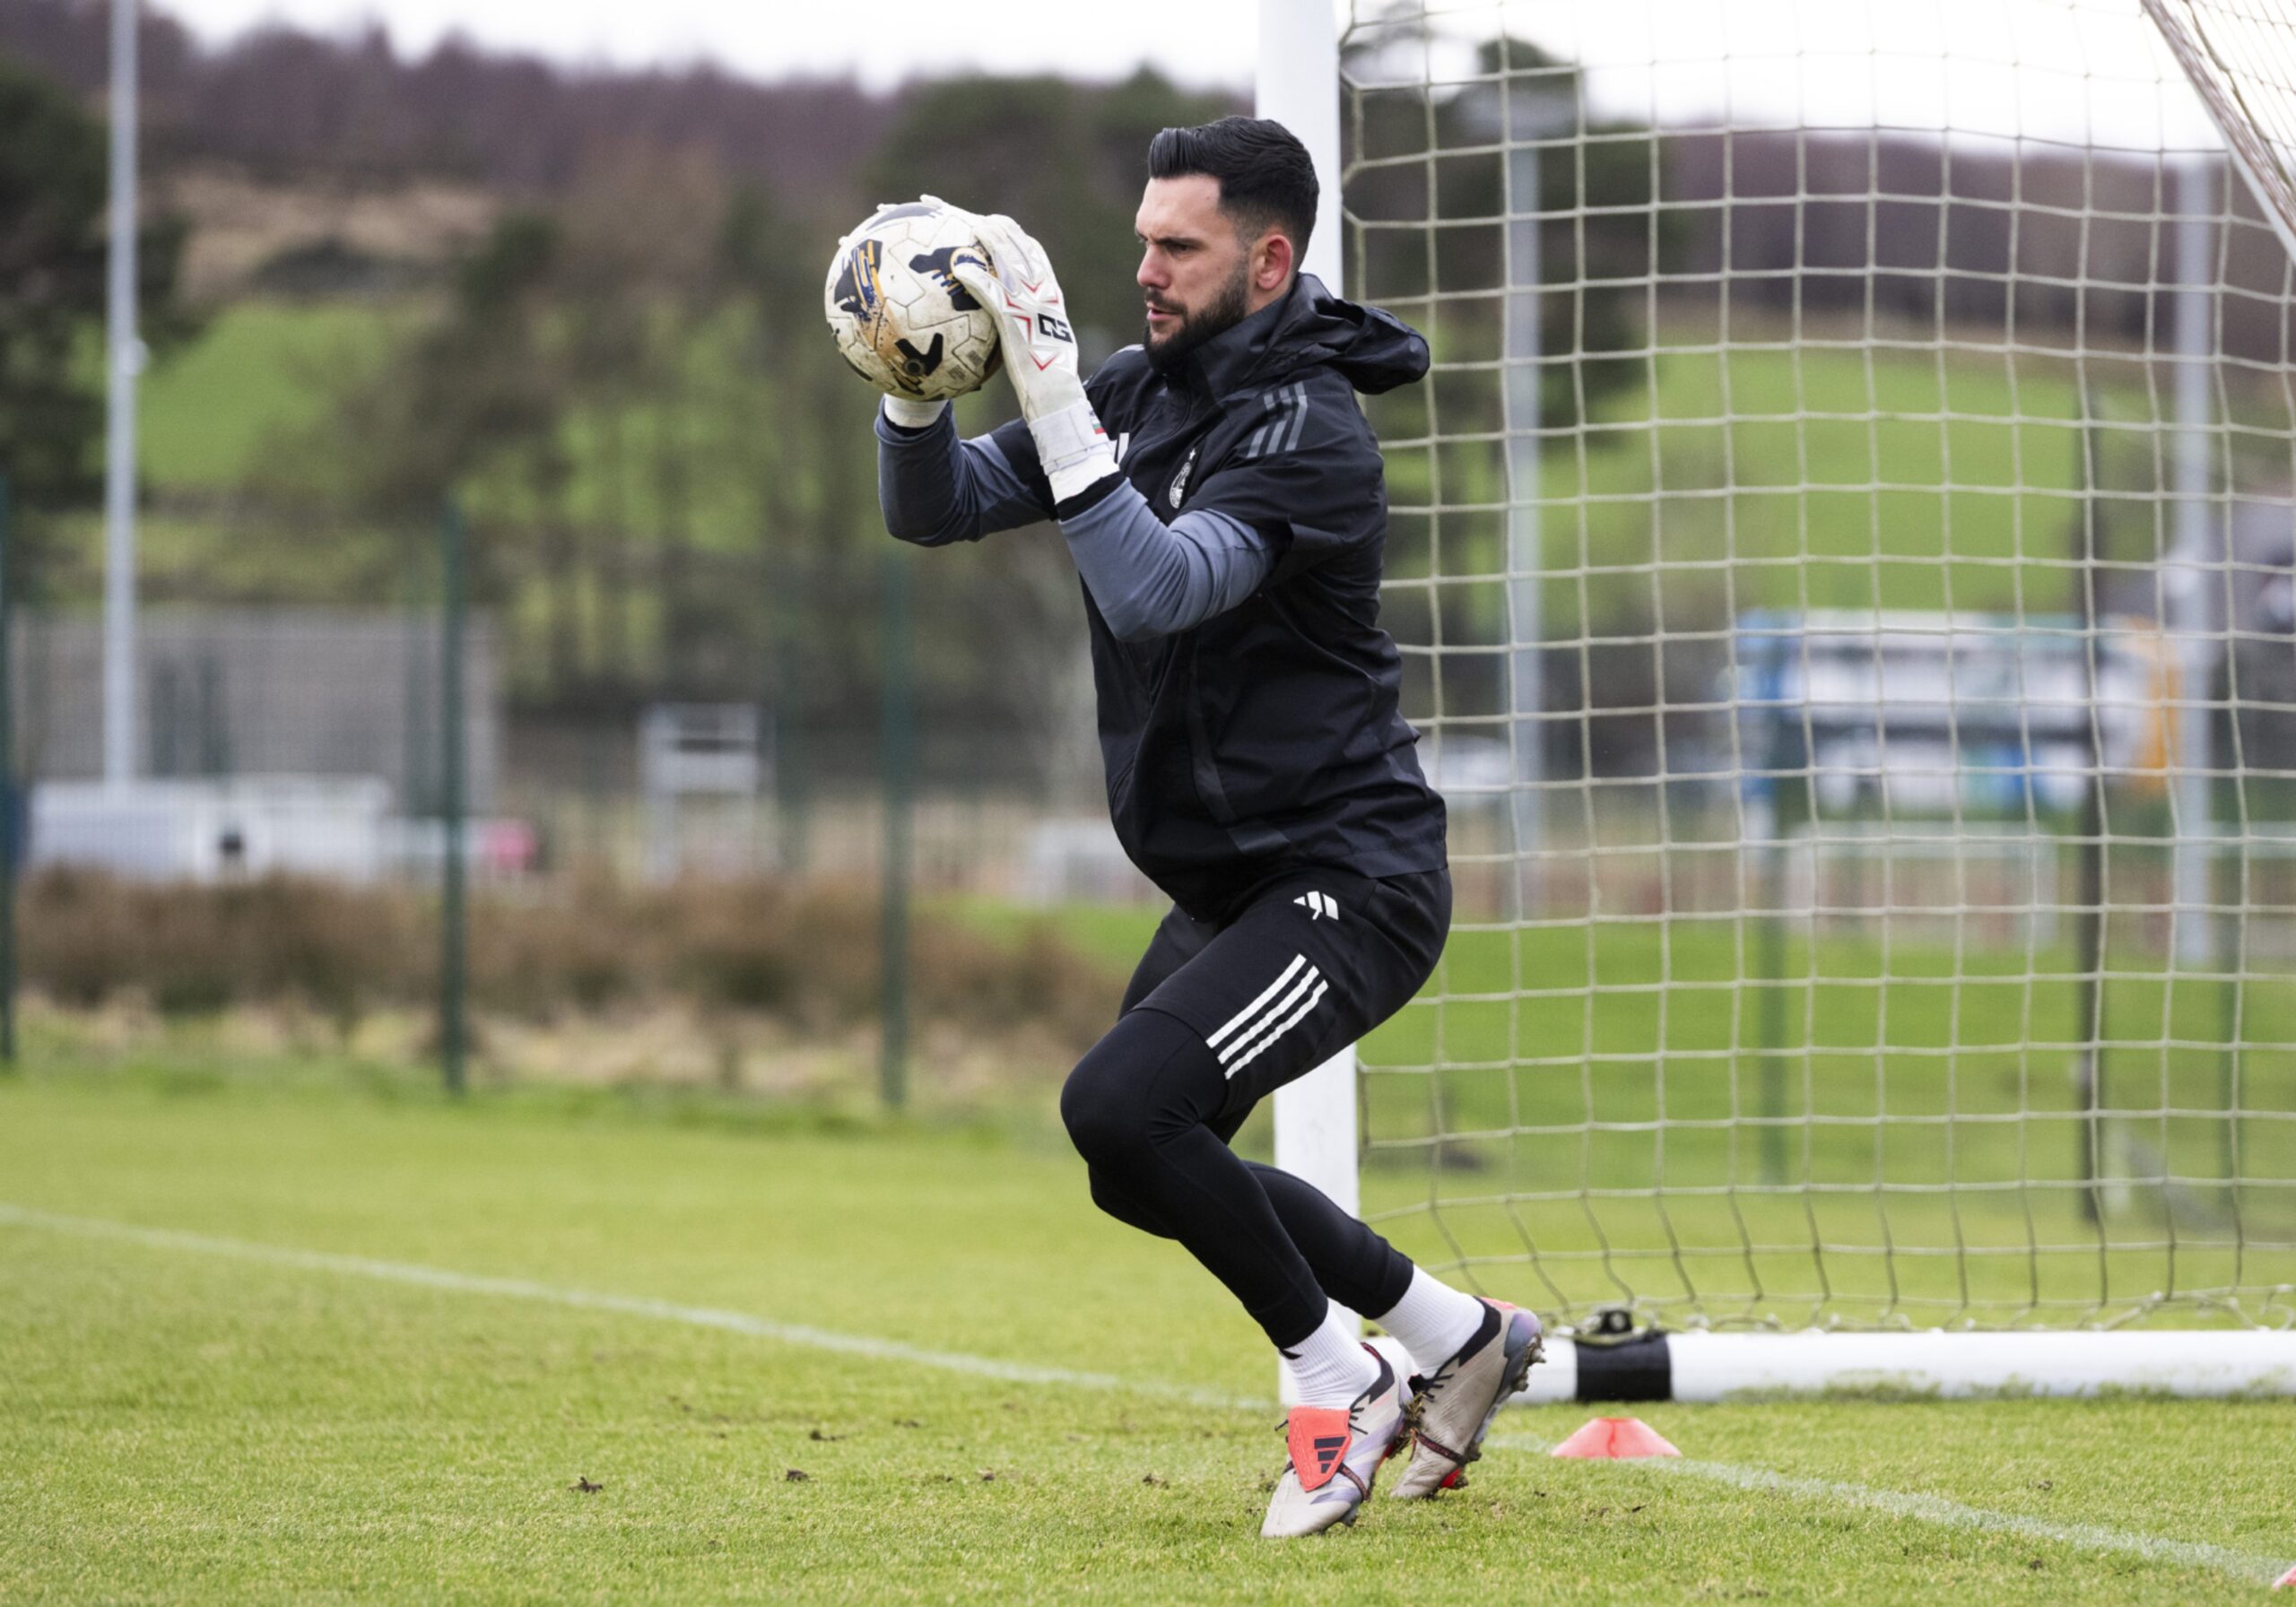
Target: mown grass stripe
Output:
{"points": [[697, 1316], [1935, 1509]]}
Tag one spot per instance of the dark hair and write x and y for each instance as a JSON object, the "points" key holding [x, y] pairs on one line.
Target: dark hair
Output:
{"points": [[1266, 178]]}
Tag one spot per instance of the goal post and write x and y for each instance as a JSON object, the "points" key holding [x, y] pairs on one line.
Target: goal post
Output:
{"points": [[1843, 561], [1297, 83]]}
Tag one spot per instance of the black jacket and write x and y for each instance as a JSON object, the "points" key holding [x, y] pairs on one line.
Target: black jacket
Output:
{"points": [[1265, 738]]}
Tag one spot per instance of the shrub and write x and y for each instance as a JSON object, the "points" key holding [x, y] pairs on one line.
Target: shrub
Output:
{"points": [[807, 955]]}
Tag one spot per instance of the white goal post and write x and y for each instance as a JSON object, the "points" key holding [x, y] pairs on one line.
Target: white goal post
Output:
{"points": [[1298, 84], [1845, 561]]}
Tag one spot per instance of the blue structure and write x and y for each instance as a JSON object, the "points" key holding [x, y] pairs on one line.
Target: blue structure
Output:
{"points": [[1845, 714]]}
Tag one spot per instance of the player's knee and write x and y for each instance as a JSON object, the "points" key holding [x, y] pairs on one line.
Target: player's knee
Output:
{"points": [[1123, 1097], [1100, 1107]]}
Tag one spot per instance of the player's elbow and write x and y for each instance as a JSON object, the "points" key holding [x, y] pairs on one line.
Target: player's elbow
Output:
{"points": [[1145, 611], [1136, 625], [923, 504], [921, 533], [907, 521]]}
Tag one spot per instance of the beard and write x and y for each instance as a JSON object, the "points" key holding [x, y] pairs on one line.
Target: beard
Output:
{"points": [[1228, 308]]}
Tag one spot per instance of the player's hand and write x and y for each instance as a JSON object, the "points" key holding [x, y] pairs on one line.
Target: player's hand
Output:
{"points": [[1040, 354], [1019, 285]]}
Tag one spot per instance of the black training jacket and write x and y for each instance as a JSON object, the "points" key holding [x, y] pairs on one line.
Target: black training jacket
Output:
{"points": [[1267, 738]]}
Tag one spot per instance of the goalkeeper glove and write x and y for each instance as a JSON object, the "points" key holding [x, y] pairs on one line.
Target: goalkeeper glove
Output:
{"points": [[1040, 355]]}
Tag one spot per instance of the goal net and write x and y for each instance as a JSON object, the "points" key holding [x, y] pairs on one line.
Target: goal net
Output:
{"points": [[1843, 559]]}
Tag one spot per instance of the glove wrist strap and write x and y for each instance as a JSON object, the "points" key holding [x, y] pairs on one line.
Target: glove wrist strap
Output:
{"points": [[913, 415], [1074, 449]]}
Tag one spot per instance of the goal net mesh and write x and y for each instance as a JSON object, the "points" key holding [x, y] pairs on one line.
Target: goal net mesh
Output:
{"points": [[1842, 556]]}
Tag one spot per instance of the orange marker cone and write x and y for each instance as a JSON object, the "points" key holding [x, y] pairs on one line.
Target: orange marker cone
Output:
{"points": [[2286, 1581], [1616, 1436]]}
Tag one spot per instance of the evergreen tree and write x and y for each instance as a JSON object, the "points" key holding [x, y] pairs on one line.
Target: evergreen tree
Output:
{"points": [[53, 190]]}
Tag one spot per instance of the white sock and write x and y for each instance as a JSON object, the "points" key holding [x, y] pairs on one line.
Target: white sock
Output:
{"points": [[1330, 1367], [1433, 1320]]}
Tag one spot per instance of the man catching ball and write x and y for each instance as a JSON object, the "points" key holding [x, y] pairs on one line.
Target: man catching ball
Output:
{"points": [[1225, 504]]}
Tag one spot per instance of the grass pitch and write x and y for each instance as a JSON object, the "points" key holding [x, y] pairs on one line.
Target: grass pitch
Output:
{"points": [[201, 1417]]}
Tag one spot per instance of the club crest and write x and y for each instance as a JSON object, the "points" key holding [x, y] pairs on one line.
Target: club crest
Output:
{"points": [[1178, 493]]}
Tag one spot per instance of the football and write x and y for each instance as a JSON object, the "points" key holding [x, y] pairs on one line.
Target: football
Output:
{"points": [[901, 317]]}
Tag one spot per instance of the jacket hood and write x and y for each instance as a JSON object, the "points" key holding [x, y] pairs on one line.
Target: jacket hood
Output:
{"points": [[1374, 350]]}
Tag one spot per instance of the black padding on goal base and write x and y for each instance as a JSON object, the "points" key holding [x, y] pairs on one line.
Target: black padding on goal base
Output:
{"points": [[1630, 1369]]}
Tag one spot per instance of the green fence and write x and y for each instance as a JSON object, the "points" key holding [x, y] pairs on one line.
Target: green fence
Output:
{"points": [[277, 745]]}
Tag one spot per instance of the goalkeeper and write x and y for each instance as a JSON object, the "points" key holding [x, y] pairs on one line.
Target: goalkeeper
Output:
{"points": [[1225, 504]]}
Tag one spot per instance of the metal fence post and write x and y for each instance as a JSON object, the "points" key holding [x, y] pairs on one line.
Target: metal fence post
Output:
{"points": [[791, 800], [453, 915], [898, 742], [12, 816], [2089, 1064]]}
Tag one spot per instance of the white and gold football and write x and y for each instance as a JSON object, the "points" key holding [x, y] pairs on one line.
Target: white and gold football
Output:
{"points": [[901, 317]]}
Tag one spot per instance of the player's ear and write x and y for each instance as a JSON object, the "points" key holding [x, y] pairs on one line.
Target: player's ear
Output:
{"points": [[1273, 260]]}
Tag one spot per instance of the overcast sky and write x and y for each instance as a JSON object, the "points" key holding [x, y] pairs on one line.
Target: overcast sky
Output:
{"points": [[2055, 69]]}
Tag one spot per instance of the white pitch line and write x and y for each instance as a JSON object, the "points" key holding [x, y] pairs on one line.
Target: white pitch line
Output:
{"points": [[664, 1311], [2243, 1566], [1932, 1509]]}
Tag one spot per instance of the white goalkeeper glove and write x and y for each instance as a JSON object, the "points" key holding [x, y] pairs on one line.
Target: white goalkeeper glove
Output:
{"points": [[1040, 355]]}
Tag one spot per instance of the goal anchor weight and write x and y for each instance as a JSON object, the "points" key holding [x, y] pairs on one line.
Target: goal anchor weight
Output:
{"points": [[1936, 1365]]}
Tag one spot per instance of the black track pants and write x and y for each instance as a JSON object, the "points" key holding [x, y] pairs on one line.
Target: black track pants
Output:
{"points": [[1220, 1015]]}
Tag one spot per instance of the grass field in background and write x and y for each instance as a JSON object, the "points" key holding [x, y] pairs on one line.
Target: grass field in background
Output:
{"points": [[1778, 475], [1906, 478], [257, 378], [184, 1424]]}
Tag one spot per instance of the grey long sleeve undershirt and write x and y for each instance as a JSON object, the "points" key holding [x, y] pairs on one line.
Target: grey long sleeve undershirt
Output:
{"points": [[1152, 578], [1149, 578], [936, 489]]}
